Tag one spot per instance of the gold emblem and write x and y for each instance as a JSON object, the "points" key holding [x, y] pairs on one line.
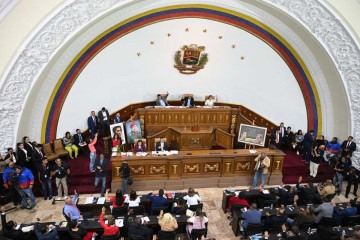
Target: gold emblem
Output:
{"points": [[190, 59]]}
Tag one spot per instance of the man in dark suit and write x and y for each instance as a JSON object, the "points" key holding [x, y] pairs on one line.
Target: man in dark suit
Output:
{"points": [[188, 101], [93, 124], [79, 141], [104, 119], [136, 228], [37, 156], [348, 147], [161, 145], [100, 167], [308, 142], [118, 119], [10, 231], [275, 139]]}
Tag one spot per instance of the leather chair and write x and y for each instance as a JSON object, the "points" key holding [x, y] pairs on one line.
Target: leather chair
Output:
{"points": [[197, 233], [134, 237], [119, 211], [139, 210], [350, 221], [156, 210], [51, 156], [59, 149], [327, 222], [110, 237], [194, 207], [166, 235], [254, 228]]}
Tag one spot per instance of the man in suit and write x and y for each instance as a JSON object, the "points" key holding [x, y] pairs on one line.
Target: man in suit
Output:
{"points": [[10, 230], [118, 119], [324, 210], [79, 141], [162, 100], [161, 145], [158, 201], [348, 147], [282, 130], [100, 167], [188, 101], [308, 142], [275, 139], [37, 156], [261, 168], [93, 124], [104, 119]]}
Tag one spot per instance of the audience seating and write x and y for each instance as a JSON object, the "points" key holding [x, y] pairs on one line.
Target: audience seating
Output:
{"points": [[350, 221], [197, 233], [133, 237], [194, 207], [140, 210], [59, 149], [120, 211], [328, 222], [254, 228], [110, 237], [48, 150], [236, 207], [156, 210], [167, 235]]}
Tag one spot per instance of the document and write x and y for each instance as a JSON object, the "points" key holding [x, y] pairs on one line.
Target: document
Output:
{"points": [[27, 229], [89, 200], [252, 151], [119, 222], [101, 200]]}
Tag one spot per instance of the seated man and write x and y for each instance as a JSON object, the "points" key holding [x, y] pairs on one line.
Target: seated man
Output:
{"points": [[45, 232], [251, 216], [71, 210], [306, 192], [324, 210], [162, 100], [303, 215], [138, 229], [340, 212], [187, 101], [110, 228], [9, 228], [157, 201], [332, 149], [161, 145], [276, 220], [80, 142]]}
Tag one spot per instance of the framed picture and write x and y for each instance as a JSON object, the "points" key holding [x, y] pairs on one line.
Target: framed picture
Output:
{"points": [[118, 128], [250, 134], [133, 130]]}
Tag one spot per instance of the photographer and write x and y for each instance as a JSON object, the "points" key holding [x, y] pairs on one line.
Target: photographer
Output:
{"points": [[353, 178], [124, 172], [11, 184], [61, 171], [261, 169]]}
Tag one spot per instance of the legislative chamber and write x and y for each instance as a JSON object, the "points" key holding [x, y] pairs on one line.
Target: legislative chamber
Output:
{"points": [[202, 151]]}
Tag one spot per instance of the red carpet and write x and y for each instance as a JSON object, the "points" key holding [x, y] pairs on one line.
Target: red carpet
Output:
{"points": [[293, 167]]}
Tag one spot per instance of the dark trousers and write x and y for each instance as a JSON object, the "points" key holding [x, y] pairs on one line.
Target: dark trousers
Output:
{"points": [[306, 153], [15, 195], [46, 188], [350, 182]]}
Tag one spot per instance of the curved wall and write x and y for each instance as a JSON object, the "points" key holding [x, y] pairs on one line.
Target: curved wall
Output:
{"points": [[321, 68]]}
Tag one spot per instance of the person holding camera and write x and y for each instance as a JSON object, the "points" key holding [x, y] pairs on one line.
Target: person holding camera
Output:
{"points": [[61, 172], [124, 172], [261, 169]]}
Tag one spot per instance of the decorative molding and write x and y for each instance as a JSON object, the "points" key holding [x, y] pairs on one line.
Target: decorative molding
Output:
{"points": [[6, 6], [35, 55], [344, 50]]}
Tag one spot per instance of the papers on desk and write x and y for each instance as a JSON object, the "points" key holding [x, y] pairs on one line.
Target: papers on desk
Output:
{"points": [[119, 222], [141, 154], [145, 219], [174, 152], [101, 200], [89, 200], [252, 151], [265, 191], [114, 154], [63, 224], [27, 229], [161, 153]]}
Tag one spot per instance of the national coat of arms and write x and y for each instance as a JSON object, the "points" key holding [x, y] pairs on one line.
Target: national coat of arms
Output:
{"points": [[190, 59]]}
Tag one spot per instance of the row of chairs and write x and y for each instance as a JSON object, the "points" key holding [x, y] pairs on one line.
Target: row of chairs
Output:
{"points": [[55, 150]]}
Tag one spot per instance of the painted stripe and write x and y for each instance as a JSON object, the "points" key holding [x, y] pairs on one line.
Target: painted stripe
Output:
{"points": [[258, 29]]}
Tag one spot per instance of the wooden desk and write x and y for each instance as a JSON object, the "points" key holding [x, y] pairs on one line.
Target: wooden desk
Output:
{"points": [[198, 164], [194, 140]]}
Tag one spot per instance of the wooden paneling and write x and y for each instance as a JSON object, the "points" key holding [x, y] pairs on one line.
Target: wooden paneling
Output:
{"points": [[198, 164]]}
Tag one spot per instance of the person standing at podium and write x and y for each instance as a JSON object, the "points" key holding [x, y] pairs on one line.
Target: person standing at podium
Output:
{"points": [[162, 145]]}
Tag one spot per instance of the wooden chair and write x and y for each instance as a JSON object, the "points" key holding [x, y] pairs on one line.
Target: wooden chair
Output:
{"points": [[156, 140], [59, 149], [143, 141], [51, 156]]}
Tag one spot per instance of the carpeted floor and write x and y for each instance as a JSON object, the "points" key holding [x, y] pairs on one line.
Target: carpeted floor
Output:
{"points": [[293, 167]]}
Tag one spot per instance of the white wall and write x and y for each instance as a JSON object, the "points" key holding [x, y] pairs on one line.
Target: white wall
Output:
{"points": [[120, 77]]}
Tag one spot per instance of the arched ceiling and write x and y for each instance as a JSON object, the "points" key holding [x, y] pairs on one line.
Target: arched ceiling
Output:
{"points": [[329, 50]]}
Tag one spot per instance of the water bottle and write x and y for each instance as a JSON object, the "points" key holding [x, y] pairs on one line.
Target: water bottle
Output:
{"points": [[173, 195]]}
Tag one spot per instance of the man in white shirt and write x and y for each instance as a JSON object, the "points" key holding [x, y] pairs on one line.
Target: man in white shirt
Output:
{"points": [[162, 100], [104, 119], [192, 198]]}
